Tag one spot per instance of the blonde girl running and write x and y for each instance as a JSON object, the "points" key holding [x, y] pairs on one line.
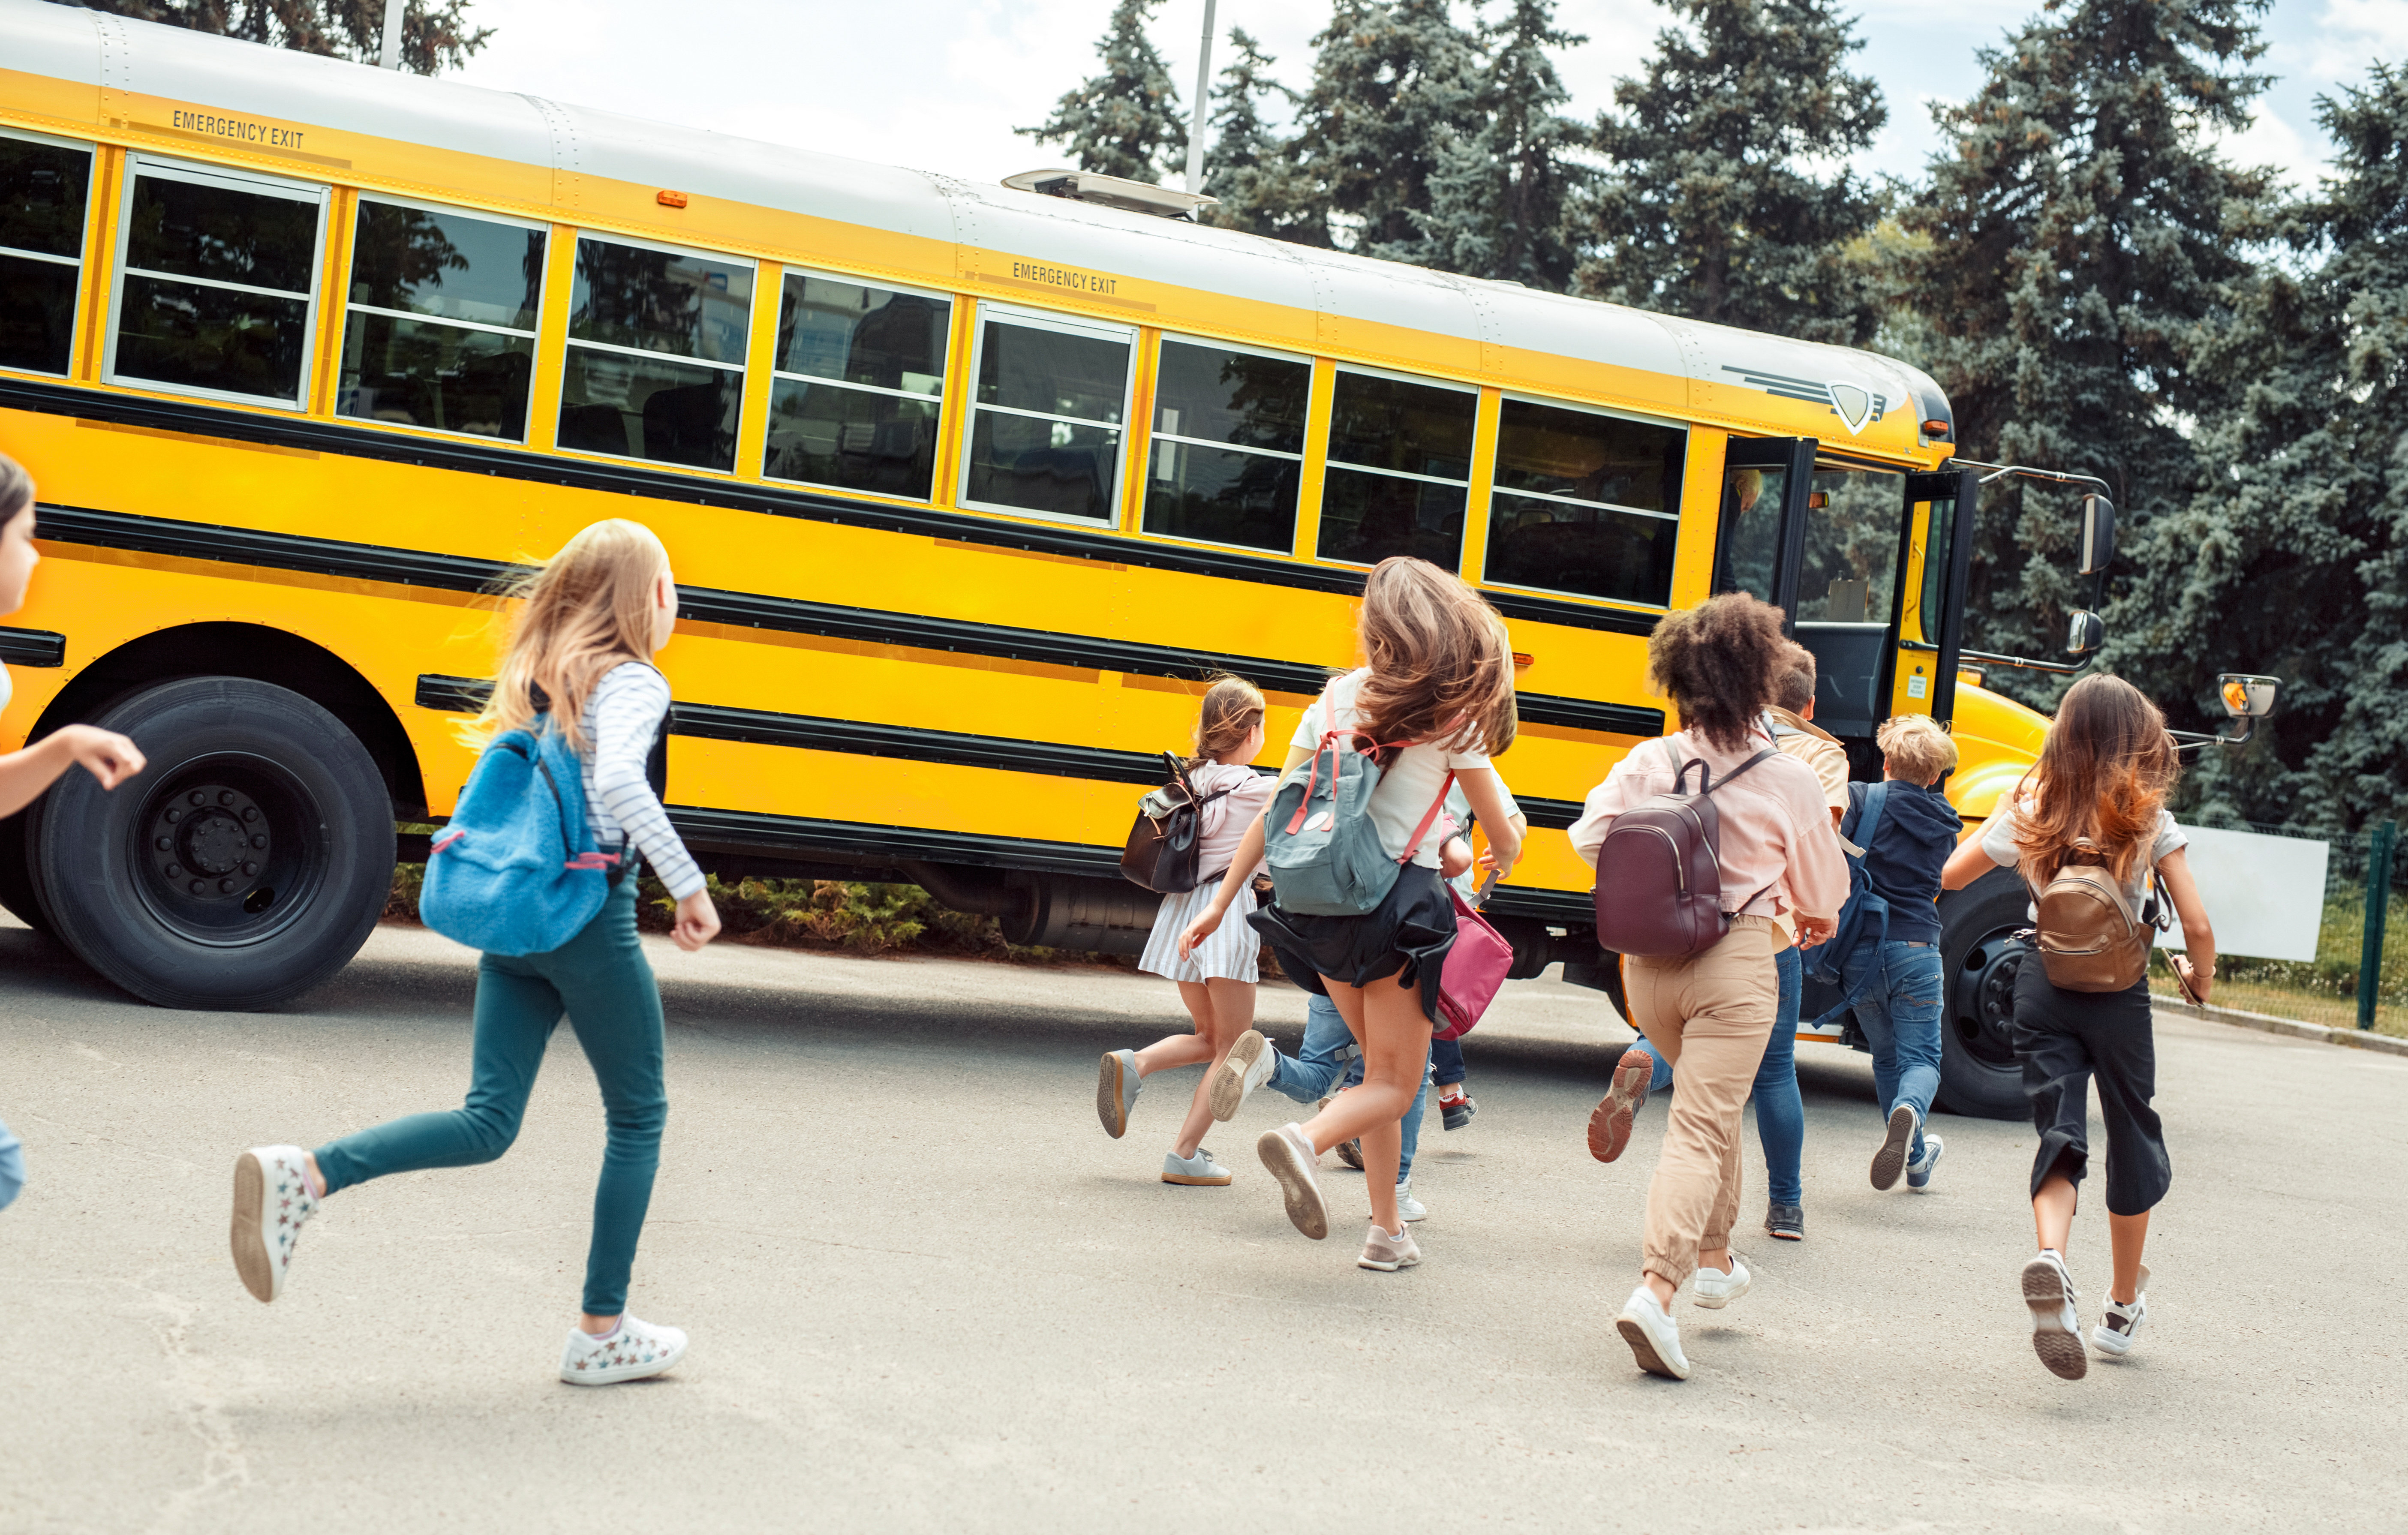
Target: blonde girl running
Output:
{"points": [[1438, 698], [1217, 980], [589, 620]]}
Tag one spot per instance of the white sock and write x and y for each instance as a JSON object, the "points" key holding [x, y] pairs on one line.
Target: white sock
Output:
{"points": [[616, 1327]]}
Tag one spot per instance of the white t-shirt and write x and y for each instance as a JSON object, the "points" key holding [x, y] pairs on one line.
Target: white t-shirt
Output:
{"points": [[1999, 841], [1411, 781]]}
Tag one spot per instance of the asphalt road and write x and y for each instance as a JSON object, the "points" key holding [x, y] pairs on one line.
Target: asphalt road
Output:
{"points": [[926, 1292]]}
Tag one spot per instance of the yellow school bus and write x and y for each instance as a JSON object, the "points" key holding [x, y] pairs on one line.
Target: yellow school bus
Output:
{"points": [[967, 487]]}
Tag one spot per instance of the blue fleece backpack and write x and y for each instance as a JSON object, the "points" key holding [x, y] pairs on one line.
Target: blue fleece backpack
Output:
{"points": [[1867, 910], [516, 870]]}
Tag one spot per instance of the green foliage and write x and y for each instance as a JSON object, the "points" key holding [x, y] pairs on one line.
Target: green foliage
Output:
{"points": [[1720, 204], [434, 36], [1125, 121], [1249, 167], [1500, 198], [1394, 83], [2323, 990]]}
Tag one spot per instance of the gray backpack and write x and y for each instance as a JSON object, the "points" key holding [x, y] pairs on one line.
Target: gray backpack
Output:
{"points": [[1320, 841]]}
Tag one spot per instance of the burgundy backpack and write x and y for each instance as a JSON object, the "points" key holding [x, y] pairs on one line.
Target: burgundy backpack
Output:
{"points": [[1660, 875]]}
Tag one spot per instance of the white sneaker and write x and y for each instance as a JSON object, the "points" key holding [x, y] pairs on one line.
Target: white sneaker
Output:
{"points": [[1919, 1170], [1654, 1341], [1388, 1252], [1290, 1160], [1197, 1172], [637, 1349], [2056, 1329], [1714, 1289], [271, 1203], [2115, 1334], [1245, 1067], [1407, 1208]]}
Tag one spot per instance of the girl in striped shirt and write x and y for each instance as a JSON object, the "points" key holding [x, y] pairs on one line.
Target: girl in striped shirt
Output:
{"points": [[589, 620]]}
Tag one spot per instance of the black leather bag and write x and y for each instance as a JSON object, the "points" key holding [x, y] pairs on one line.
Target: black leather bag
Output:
{"points": [[1164, 843]]}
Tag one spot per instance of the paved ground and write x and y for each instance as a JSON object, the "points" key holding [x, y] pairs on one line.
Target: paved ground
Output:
{"points": [[926, 1293]]}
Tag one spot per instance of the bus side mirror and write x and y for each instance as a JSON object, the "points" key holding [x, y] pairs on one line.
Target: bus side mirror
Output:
{"points": [[2097, 536], [2247, 696], [2084, 632]]}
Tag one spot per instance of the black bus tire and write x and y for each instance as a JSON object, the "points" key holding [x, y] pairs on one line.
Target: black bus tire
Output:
{"points": [[1979, 955], [247, 862]]}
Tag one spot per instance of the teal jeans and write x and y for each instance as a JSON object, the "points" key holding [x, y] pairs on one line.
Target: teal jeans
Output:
{"points": [[602, 981]]}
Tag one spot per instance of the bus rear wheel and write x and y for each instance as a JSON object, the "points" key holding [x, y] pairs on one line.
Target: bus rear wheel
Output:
{"points": [[247, 862], [1981, 952]]}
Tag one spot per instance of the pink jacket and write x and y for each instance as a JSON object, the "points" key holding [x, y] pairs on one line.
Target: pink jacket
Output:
{"points": [[1776, 830]]}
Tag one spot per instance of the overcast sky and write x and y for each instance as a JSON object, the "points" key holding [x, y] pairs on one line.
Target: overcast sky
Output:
{"points": [[940, 84]]}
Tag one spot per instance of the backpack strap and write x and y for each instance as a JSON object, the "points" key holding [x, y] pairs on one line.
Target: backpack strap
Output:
{"points": [[1706, 784], [1423, 830]]}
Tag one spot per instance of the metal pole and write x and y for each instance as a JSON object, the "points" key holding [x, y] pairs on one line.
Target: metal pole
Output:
{"points": [[1203, 97], [391, 57], [2378, 906]]}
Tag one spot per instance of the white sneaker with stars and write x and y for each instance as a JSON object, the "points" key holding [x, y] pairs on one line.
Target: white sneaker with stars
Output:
{"points": [[635, 1349], [271, 1203]]}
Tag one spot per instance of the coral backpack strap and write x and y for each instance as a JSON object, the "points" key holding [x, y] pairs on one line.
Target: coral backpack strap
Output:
{"points": [[1423, 830]]}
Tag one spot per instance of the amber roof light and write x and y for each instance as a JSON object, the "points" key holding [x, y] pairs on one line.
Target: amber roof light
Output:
{"points": [[1935, 428], [669, 199]]}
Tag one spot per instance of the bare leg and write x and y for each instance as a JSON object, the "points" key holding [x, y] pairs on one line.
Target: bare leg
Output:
{"points": [[2053, 1217], [1177, 1050], [2127, 1234], [1228, 1011], [1387, 1019]]}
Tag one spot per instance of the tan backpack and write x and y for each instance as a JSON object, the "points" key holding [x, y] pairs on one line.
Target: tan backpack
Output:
{"points": [[2090, 938]]}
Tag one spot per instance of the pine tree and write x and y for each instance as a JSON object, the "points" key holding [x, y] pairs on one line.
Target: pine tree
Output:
{"points": [[1251, 167], [1500, 197], [1717, 206], [1395, 81], [434, 36], [2083, 234], [2293, 556], [1125, 121]]}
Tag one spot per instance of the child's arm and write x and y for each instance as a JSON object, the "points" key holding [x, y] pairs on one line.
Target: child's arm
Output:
{"points": [[1454, 857], [1242, 867], [106, 755], [1969, 862]]}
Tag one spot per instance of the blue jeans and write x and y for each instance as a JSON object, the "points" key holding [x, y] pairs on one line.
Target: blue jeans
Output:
{"points": [[1779, 1111], [1900, 1014], [13, 1167], [1328, 1055], [1446, 1062], [602, 981]]}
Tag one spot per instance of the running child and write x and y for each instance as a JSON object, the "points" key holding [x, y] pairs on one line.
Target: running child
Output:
{"points": [[589, 621], [1436, 701], [2095, 795], [24, 774], [1217, 980]]}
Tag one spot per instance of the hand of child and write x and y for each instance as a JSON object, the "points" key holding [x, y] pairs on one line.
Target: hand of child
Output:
{"points": [[1206, 923], [2194, 985], [106, 755], [1453, 858], [1814, 930], [1488, 864], [698, 922]]}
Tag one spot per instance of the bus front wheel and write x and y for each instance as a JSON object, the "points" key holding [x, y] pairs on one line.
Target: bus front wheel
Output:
{"points": [[247, 863], [1981, 952]]}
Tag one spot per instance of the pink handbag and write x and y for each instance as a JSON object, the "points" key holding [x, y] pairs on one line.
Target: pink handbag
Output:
{"points": [[1472, 971]]}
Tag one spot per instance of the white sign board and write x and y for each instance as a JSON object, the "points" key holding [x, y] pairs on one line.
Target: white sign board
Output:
{"points": [[2265, 895]]}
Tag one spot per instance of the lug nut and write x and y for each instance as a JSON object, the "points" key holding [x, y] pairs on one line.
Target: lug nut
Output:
{"points": [[251, 868], [225, 888], [259, 842], [198, 798], [251, 813], [174, 816], [225, 796], [199, 886], [165, 842], [174, 871]]}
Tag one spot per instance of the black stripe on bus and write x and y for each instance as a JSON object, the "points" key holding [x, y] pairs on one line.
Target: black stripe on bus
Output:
{"points": [[745, 610], [859, 738], [33, 647], [196, 419]]}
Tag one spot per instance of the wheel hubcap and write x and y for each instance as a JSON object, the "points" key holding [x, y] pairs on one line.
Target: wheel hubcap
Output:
{"points": [[1982, 996], [212, 842], [227, 849]]}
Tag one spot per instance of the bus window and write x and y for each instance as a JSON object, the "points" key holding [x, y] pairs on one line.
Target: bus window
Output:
{"points": [[215, 282], [1585, 503], [440, 329], [1854, 534], [655, 364], [858, 384], [1400, 469], [1749, 541], [1229, 446], [42, 192], [1045, 424]]}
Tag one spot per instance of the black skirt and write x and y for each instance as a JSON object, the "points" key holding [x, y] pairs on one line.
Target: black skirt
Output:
{"points": [[1408, 937]]}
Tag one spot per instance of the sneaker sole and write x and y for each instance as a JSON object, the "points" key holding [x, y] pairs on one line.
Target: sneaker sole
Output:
{"points": [[252, 1258], [1785, 1233], [1890, 1160], [1456, 1119], [1185, 1181], [1351, 1152], [1107, 1097], [1297, 1188], [1609, 1123], [1366, 1261], [625, 1372], [1642, 1349], [2059, 1350], [1229, 1090]]}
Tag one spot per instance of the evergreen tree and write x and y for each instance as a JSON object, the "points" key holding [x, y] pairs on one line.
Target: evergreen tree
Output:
{"points": [[1395, 83], [1499, 197], [1716, 206], [1249, 166], [2083, 234], [435, 36], [2293, 556], [1125, 121]]}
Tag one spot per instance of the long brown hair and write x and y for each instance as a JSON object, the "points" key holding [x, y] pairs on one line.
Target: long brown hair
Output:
{"points": [[16, 489], [1441, 664], [1232, 708], [580, 613], [1720, 663], [2103, 773]]}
